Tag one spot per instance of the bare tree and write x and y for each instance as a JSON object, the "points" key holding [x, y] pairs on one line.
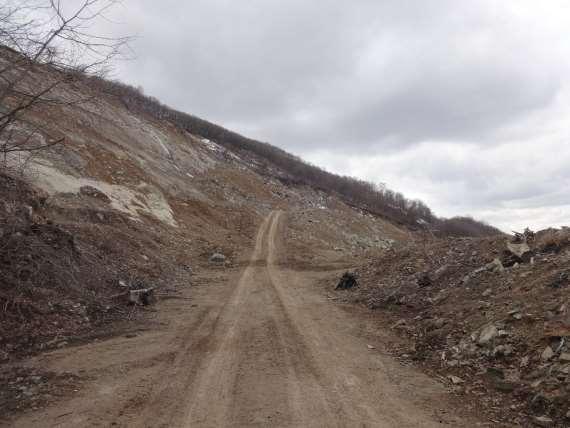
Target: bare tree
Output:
{"points": [[45, 44]]}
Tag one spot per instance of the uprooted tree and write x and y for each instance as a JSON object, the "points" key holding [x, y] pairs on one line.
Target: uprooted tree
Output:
{"points": [[45, 44]]}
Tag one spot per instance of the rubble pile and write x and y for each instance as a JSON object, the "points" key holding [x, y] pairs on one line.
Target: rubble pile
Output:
{"points": [[490, 315], [61, 270]]}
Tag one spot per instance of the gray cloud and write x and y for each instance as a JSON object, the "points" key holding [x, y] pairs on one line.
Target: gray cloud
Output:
{"points": [[386, 80]]}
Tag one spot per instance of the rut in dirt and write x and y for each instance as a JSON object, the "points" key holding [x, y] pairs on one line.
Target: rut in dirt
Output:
{"points": [[261, 347], [273, 365]]}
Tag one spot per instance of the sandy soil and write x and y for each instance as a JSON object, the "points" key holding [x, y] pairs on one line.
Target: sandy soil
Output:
{"points": [[256, 346]]}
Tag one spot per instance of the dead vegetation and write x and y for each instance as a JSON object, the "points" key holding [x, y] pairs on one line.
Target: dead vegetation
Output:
{"points": [[45, 45]]}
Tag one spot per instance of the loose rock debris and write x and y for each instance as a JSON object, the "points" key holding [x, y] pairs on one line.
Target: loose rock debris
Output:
{"points": [[492, 312]]}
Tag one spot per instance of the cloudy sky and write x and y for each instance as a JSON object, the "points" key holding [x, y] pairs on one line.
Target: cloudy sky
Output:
{"points": [[463, 104]]}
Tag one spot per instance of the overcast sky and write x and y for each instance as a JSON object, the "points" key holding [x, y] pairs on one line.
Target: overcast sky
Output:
{"points": [[463, 104]]}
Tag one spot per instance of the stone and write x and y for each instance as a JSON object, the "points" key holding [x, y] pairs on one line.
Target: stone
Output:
{"points": [[498, 266], [95, 193], [561, 281], [504, 386], [502, 351], [441, 270], [487, 334], [495, 266], [565, 357], [543, 421], [218, 258], [455, 379], [439, 322], [399, 323], [487, 292], [143, 296], [519, 250], [496, 373], [547, 354], [424, 280]]}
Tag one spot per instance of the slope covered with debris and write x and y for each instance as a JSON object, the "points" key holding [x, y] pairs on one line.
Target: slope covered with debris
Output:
{"points": [[131, 201], [489, 315], [126, 202]]}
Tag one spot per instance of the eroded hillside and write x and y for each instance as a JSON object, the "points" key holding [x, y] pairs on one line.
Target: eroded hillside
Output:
{"points": [[130, 202], [127, 200]]}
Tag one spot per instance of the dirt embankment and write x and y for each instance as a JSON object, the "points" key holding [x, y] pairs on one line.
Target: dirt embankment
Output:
{"points": [[495, 328]]}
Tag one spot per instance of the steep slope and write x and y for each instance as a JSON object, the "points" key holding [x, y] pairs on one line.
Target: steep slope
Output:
{"points": [[128, 200], [290, 169]]}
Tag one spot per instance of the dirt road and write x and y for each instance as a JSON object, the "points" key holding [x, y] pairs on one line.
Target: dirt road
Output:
{"points": [[259, 346]]}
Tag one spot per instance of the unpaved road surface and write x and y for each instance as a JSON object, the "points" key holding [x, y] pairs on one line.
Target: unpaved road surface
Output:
{"points": [[256, 346]]}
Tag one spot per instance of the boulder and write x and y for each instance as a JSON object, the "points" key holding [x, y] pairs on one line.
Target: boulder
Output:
{"points": [[519, 249], [543, 421], [487, 334], [516, 253], [547, 354], [347, 281], [217, 258], [94, 193], [143, 296], [496, 266], [455, 380], [424, 280], [440, 271], [502, 351]]}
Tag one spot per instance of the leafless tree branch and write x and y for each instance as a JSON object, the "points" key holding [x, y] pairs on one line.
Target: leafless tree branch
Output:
{"points": [[45, 44]]}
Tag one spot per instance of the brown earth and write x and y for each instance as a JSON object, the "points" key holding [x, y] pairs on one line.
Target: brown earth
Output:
{"points": [[256, 346], [132, 202], [444, 295]]}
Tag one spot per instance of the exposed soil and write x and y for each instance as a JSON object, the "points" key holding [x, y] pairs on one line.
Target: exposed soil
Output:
{"points": [[261, 338], [498, 335], [251, 346]]}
